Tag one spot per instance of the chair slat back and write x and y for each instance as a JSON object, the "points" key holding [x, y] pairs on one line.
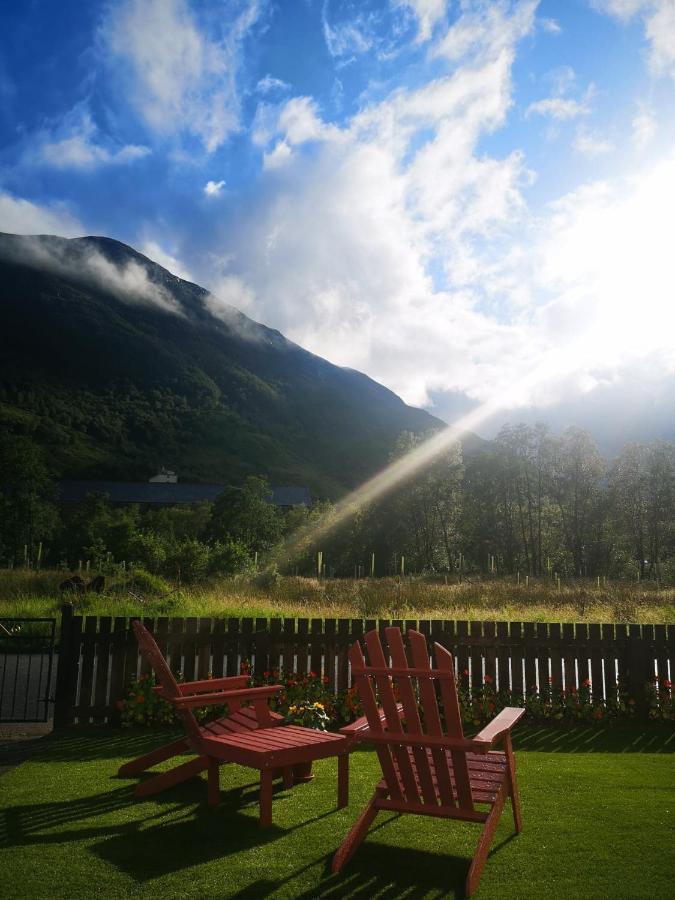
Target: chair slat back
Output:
{"points": [[424, 776], [155, 658]]}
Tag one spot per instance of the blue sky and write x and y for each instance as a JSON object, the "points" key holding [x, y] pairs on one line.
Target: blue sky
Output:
{"points": [[445, 194]]}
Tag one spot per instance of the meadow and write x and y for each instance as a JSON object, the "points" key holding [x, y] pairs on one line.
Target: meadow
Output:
{"points": [[36, 593]]}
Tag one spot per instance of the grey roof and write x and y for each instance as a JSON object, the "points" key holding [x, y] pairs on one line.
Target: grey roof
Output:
{"points": [[167, 494]]}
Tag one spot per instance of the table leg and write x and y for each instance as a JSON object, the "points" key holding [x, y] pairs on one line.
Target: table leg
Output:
{"points": [[265, 798], [343, 780]]}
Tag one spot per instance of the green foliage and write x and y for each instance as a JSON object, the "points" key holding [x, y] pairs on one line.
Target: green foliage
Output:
{"points": [[28, 514], [308, 700], [146, 584], [246, 516], [660, 700]]}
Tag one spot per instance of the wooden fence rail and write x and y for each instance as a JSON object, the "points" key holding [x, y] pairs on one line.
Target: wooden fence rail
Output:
{"points": [[98, 656]]}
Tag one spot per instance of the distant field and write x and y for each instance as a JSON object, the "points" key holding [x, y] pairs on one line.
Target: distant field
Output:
{"points": [[30, 593]]}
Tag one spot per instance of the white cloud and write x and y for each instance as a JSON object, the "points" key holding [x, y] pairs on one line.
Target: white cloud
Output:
{"points": [[278, 156], [658, 19], [551, 26], [19, 216], [559, 108], [213, 188], [487, 29], [346, 38], [180, 79], [269, 84], [591, 145], [336, 248], [428, 14], [83, 262], [644, 128], [77, 145], [396, 245], [158, 254]]}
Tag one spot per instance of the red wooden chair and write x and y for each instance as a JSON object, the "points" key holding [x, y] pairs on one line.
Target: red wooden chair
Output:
{"points": [[429, 767], [248, 735]]}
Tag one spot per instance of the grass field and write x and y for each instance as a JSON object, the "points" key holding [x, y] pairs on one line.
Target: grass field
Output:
{"points": [[598, 808], [31, 593]]}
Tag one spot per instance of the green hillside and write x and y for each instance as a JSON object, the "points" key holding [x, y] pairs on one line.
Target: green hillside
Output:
{"points": [[115, 367]]}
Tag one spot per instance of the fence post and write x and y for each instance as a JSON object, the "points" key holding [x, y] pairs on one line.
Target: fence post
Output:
{"points": [[67, 668]]}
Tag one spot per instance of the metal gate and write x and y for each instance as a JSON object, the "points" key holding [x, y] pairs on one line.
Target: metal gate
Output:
{"points": [[26, 669]]}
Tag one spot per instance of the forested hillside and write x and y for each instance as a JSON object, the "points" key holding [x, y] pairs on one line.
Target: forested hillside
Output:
{"points": [[114, 367]]}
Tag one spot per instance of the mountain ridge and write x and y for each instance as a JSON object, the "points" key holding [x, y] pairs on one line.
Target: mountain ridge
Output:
{"points": [[115, 366]]}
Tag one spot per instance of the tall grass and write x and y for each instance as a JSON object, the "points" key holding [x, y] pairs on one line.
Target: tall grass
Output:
{"points": [[31, 593]]}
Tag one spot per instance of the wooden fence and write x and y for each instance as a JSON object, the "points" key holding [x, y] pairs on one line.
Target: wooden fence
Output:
{"points": [[98, 657]]}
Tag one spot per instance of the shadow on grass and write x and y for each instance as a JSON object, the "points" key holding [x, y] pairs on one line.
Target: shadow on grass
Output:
{"points": [[616, 738], [375, 871], [145, 844], [91, 742]]}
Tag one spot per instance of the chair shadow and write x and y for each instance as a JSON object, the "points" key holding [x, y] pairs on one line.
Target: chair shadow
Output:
{"points": [[146, 846], [376, 871]]}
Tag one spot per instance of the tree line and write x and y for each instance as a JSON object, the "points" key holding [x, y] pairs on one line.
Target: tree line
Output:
{"points": [[527, 502]]}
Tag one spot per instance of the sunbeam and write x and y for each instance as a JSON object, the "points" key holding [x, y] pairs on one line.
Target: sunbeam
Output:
{"points": [[557, 365]]}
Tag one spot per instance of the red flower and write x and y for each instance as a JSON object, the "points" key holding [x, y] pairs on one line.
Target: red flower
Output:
{"points": [[266, 674], [465, 672], [489, 679], [326, 679], [140, 699], [587, 682], [312, 674]]}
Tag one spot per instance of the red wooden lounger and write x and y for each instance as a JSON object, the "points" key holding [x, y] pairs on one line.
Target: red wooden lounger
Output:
{"points": [[248, 736], [429, 767]]}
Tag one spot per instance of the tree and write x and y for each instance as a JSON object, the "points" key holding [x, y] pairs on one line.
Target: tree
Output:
{"points": [[576, 473], [642, 482], [247, 516], [28, 513]]}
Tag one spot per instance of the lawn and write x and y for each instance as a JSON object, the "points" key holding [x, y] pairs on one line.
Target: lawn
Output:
{"points": [[598, 810]]}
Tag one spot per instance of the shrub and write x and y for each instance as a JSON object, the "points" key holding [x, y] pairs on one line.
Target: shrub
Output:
{"points": [[660, 700]]}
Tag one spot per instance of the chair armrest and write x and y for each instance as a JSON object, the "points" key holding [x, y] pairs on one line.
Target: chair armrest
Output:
{"points": [[500, 725], [209, 685], [256, 693], [360, 725]]}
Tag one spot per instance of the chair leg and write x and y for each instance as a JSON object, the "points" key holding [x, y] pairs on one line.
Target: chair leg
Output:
{"points": [[265, 798], [213, 782], [513, 784], [480, 856], [356, 835], [287, 777], [343, 780], [172, 777], [148, 760]]}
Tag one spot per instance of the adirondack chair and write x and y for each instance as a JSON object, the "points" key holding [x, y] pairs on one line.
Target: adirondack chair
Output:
{"points": [[429, 767], [249, 735]]}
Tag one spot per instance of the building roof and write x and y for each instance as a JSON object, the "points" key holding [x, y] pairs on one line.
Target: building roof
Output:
{"points": [[168, 494]]}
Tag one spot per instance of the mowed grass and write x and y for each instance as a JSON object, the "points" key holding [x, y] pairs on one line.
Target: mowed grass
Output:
{"points": [[598, 810], [30, 593]]}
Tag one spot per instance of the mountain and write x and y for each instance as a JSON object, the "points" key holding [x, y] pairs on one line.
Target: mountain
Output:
{"points": [[117, 367]]}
